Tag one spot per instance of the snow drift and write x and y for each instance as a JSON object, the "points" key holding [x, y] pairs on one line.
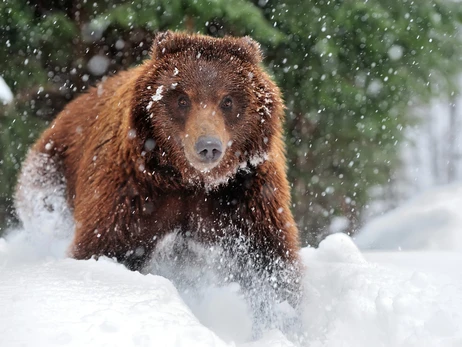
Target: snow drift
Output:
{"points": [[48, 300], [388, 299], [430, 221]]}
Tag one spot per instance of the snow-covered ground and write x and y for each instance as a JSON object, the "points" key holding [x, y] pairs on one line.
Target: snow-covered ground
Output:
{"points": [[352, 298], [429, 221]]}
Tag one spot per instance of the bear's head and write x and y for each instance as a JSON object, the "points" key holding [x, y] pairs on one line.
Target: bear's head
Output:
{"points": [[205, 108]]}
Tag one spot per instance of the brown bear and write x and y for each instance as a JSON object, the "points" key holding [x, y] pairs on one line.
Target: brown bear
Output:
{"points": [[190, 141]]}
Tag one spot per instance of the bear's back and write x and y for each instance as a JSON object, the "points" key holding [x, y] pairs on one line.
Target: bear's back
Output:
{"points": [[86, 124]]}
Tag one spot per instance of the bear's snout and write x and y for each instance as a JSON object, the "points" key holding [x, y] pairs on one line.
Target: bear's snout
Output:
{"points": [[204, 138], [208, 149]]}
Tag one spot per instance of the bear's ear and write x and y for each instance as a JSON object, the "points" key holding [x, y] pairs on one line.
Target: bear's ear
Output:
{"points": [[253, 49], [161, 43]]}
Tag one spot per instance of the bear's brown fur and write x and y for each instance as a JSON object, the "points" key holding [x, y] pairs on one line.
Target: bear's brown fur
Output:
{"points": [[127, 154]]}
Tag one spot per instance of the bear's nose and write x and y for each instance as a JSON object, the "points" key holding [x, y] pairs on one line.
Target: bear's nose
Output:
{"points": [[209, 148]]}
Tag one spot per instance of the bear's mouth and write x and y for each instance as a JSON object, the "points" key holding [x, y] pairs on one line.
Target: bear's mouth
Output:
{"points": [[203, 165]]}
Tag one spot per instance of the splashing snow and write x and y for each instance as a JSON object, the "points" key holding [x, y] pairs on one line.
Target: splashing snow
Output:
{"points": [[41, 205]]}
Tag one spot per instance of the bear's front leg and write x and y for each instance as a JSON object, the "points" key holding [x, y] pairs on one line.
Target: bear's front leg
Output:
{"points": [[112, 222], [264, 220]]}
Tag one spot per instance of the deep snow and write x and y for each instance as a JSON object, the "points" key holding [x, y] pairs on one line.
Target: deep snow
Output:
{"points": [[430, 221], [386, 298]]}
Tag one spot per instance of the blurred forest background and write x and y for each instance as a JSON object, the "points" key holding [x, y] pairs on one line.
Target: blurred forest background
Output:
{"points": [[353, 74]]}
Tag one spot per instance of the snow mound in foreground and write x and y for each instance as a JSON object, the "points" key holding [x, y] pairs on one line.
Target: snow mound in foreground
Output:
{"points": [[353, 302], [48, 300], [431, 221]]}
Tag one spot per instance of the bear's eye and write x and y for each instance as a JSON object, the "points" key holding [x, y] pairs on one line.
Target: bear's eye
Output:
{"points": [[183, 101], [226, 103]]}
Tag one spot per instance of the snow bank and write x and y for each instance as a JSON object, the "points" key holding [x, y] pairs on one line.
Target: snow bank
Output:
{"points": [[351, 301], [47, 299], [430, 221], [94, 304]]}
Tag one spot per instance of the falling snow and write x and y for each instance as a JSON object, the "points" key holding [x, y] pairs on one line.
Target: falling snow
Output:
{"points": [[98, 65]]}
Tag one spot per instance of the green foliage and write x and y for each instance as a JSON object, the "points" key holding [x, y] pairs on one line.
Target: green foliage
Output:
{"points": [[16, 38], [17, 133], [349, 71], [240, 18]]}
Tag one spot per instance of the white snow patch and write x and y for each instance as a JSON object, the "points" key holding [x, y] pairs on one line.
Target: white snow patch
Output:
{"points": [[258, 159], [158, 96], [430, 221], [6, 96], [255, 161], [94, 303]]}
